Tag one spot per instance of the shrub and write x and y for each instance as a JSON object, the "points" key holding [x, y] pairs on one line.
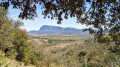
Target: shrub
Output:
{"points": [[87, 65], [105, 39], [88, 42], [70, 53], [11, 53], [83, 53], [114, 49], [54, 51], [2, 59]]}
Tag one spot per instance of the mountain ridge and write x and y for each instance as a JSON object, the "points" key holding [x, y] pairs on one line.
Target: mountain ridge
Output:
{"points": [[49, 29]]}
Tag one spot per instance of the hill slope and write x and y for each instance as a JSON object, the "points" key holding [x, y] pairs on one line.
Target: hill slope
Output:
{"points": [[48, 29], [7, 62]]}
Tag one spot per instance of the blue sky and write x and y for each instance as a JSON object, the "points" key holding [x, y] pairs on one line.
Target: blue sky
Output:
{"points": [[39, 21]]}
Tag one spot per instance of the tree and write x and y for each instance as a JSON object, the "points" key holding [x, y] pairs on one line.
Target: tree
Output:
{"points": [[103, 15], [13, 40], [5, 28]]}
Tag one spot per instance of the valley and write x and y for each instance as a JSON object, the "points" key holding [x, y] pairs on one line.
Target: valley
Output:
{"points": [[73, 51]]}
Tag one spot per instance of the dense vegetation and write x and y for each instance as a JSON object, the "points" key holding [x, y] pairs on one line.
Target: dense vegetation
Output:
{"points": [[14, 42], [66, 51]]}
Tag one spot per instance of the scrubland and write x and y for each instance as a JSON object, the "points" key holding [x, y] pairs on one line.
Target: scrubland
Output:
{"points": [[76, 51]]}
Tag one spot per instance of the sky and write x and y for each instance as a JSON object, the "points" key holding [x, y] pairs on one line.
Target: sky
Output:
{"points": [[35, 24]]}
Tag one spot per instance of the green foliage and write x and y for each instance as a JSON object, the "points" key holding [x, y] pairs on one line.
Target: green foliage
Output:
{"points": [[54, 51], [87, 65], [22, 47], [70, 53], [105, 39], [14, 41], [105, 47], [118, 48], [83, 53], [4, 62], [109, 58], [2, 59], [113, 49], [6, 34], [11, 53], [88, 42], [24, 53], [7, 62]]}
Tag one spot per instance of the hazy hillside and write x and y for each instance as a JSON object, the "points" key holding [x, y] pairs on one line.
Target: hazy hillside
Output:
{"points": [[48, 29]]}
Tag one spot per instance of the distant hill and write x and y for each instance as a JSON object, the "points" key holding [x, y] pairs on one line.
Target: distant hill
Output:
{"points": [[48, 29]]}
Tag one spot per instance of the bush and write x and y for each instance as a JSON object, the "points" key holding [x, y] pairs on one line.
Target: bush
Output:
{"points": [[70, 53], [54, 51], [105, 39], [2, 59], [87, 65], [83, 53], [11, 53], [88, 42], [114, 49]]}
